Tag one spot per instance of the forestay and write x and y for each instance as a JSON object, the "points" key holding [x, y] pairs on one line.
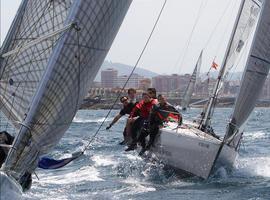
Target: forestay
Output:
{"points": [[50, 59], [244, 30], [257, 69]]}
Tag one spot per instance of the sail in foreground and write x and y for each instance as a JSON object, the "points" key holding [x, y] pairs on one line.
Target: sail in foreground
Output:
{"points": [[191, 85], [49, 59]]}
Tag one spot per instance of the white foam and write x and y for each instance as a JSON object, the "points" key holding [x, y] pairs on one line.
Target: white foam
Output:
{"points": [[90, 119], [258, 166], [221, 172], [101, 160], [138, 186], [77, 119], [255, 135], [133, 157], [88, 173]]}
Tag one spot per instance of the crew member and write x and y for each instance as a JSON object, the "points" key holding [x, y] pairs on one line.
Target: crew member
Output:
{"points": [[161, 112], [127, 108], [5, 139], [139, 116]]}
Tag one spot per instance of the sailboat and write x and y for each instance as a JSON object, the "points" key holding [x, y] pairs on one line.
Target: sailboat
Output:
{"points": [[194, 148], [191, 85], [49, 59]]}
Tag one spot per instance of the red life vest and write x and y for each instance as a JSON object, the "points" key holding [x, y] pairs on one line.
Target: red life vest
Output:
{"points": [[143, 108]]}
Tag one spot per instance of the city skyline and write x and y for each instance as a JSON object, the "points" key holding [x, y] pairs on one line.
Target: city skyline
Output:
{"points": [[125, 70], [173, 85]]}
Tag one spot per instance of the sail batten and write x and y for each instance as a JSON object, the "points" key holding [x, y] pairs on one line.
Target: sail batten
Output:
{"points": [[35, 41], [260, 58]]}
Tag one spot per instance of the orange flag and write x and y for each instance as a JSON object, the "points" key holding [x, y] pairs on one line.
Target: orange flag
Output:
{"points": [[214, 65]]}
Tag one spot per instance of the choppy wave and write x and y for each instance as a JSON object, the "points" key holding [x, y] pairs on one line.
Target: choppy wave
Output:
{"points": [[103, 160], [256, 135], [137, 186], [87, 173], [106, 171]]}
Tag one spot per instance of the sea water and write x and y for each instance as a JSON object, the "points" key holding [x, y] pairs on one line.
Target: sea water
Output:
{"points": [[106, 171]]}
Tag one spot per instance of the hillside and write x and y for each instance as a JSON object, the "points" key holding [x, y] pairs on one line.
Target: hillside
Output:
{"points": [[124, 69]]}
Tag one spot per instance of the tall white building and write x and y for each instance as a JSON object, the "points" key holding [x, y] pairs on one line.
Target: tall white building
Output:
{"points": [[133, 82], [109, 78]]}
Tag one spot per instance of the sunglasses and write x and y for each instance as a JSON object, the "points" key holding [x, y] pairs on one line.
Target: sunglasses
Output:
{"points": [[123, 100]]}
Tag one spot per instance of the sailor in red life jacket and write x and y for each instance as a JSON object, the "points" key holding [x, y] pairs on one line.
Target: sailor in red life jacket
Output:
{"points": [[142, 109], [160, 113]]}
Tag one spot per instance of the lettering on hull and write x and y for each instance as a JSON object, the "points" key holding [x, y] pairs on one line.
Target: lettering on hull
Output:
{"points": [[201, 144]]}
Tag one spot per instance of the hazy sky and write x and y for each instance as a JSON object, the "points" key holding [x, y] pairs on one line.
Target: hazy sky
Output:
{"points": [[174, 47]]}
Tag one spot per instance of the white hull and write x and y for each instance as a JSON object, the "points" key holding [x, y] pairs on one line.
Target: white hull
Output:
{"points": [[191, 150], [9, 188]]}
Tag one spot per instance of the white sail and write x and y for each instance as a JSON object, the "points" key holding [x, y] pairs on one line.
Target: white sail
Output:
{"points": [[256, 71], [55, 68], [191, 85], [20, 72], [245, 23]]}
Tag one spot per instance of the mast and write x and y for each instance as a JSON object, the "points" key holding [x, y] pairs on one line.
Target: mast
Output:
{"points": [[205, 122], [256, 71], [54, 74]]}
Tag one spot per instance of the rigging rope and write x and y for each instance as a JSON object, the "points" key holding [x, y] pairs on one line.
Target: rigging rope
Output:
{"points": [[218, 22], [220, 41], [135, 66], [222, 38], [189, 39]]}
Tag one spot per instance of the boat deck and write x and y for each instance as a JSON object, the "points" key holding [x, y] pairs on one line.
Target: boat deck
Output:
{"points": [[189, 129]]}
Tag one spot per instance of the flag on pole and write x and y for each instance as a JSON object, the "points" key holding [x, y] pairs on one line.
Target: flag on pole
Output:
{"points": [[214, 65]]}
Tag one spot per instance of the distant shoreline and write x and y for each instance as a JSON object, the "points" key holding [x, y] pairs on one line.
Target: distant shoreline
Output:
{"points": [[102, 106]]}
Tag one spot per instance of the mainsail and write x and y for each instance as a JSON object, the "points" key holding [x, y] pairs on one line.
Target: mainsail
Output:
{"points": [[257, 69], [244, 24], [191, 85], [48, 62]]}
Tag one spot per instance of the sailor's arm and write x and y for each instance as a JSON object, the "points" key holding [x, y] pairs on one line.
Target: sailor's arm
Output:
{"points": [[135, 110], [116, 118]]}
